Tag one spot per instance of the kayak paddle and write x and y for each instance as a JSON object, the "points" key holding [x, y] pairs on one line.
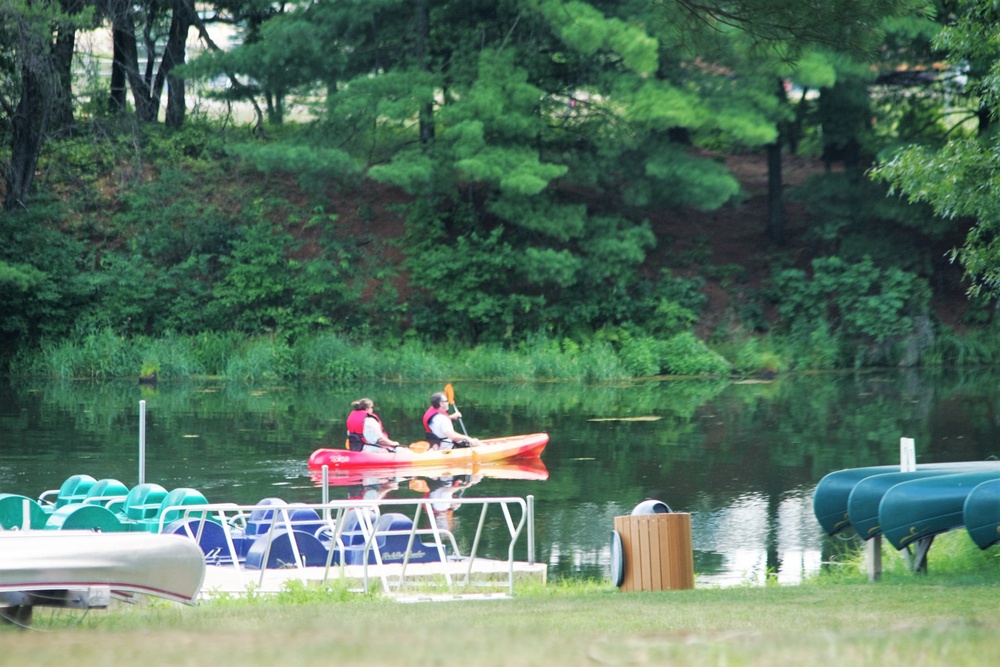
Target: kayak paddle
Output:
{"points": [[449, 391]]}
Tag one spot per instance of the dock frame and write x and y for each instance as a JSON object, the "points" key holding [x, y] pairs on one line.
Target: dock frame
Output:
{"points": [[454, 573]]}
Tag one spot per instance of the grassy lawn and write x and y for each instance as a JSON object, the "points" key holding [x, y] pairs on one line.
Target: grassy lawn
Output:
{"points": [[931, 620]]}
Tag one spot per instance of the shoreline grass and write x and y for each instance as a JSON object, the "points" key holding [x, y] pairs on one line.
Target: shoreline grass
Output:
{"points": [[105, 354], [947, 617], [933, 620]]}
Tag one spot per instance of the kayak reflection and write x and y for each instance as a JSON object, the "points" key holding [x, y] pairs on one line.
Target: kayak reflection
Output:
{"points": [[440, 484], [381, 481]]}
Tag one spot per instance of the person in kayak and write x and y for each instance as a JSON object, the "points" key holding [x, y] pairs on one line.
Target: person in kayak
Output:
{"points": [[364, 429], [438, 427]]}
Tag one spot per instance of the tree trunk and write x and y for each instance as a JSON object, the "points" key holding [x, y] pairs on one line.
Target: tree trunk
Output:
{"points": [[984, 116], [275, 108], [62, 53], [422, 35], [775, 181], [27, 130], [173, 55], [117, 101], [126, 55], [775, 194]]}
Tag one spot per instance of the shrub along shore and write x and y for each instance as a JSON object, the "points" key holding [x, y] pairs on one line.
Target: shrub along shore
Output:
{"points": [[105, 354]]}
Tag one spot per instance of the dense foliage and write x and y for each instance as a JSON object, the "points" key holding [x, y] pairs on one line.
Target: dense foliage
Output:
{"points": [[527, 147]]}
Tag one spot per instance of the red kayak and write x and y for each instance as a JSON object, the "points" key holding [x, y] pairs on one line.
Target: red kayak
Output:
{"points": [[493, 449]]}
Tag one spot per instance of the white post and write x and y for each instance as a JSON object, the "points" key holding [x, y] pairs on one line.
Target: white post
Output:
{"points": [[142, 442], [907, 455], [326, 491], [531, 529]]}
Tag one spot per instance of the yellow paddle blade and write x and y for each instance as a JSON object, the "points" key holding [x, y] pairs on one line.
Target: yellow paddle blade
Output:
{"points": [[449, 391], [420, 446], [347, 443]]}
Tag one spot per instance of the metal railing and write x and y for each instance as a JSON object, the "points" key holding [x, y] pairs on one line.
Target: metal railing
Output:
{"points": [[516, 512]]}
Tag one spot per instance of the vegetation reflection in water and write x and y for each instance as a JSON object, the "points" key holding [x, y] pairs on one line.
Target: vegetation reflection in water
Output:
{"points": [[741, 458]]}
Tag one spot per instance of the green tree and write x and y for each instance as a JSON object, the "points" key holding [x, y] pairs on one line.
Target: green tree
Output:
{"points": [[957, 177], [42, 289], [33, 85], [533, 132]]}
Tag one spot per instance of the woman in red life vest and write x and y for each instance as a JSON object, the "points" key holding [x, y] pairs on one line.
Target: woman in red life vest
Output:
{"points": [[364, 429], [438, 427]]}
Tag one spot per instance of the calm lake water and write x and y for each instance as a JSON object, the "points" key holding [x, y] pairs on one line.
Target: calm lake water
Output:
{"points": [[741, 458]]}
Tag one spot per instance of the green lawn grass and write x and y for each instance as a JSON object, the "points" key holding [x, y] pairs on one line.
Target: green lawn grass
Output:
{"points": [[912, 620], [948, 617]]}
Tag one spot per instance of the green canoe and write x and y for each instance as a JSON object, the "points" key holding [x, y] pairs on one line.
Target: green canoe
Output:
{"points": [[925, 507], [866, 496], [981, 513], [833, 491]]}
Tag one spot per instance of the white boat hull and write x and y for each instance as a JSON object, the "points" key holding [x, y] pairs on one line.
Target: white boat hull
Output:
{"points": [[85, 568]]}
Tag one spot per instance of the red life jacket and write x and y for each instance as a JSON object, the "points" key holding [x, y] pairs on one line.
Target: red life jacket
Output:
{"points": [[356, 429], [431, 438]]}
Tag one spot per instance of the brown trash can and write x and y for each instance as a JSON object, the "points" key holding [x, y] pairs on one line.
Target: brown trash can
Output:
{"points": [[656, 552]]}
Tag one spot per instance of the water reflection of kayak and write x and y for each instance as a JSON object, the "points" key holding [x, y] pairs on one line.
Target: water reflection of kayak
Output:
{"points": [[518, 469], [493, 449]]}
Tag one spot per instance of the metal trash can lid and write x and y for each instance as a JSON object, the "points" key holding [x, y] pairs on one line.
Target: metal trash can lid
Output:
{"points": [[617, 559], [651, 507]]}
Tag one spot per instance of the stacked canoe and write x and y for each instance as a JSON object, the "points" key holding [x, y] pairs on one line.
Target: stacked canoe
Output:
{"points": [[909, 506]]}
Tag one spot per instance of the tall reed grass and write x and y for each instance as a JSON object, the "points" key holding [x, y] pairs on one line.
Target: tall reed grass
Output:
{"points": [[104, 355]]}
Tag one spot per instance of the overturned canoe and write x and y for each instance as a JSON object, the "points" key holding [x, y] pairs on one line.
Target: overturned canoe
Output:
{"points": [[926, 507], [863, 503], [39, 565], [830, 499], [493, 449], [981, 513], [832, 492]]}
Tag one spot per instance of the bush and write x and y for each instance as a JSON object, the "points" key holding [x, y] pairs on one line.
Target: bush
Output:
{"points": [[980, 347], [264, 358], [815, 349], [490, 361], [212, 350], [756, 355], [685, 354], [169, 357], [333, 356], [43, 287], [857, 303], [641, 356]]}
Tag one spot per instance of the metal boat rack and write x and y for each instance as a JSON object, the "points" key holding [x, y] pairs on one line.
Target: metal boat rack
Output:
{"points": [[457, 571]]}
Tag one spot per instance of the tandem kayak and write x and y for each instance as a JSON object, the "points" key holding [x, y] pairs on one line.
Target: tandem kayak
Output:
{"points": [[493, 449]]}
